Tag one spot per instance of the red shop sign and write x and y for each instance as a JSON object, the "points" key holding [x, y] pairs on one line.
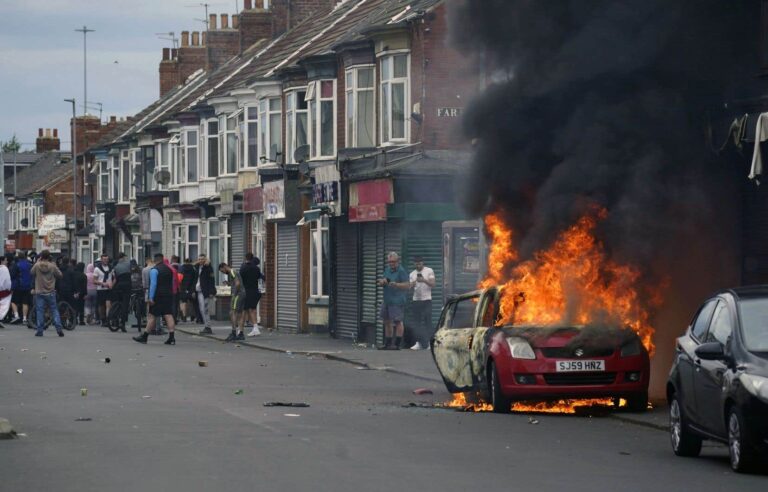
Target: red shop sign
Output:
{"points": [[368, 213]]}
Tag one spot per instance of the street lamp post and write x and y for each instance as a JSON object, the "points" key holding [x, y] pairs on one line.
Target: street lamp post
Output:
{"points": [[73, 251], [85, 32]]}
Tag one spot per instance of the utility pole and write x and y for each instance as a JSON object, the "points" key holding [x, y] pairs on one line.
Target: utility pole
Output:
{"points": [[85, 32], [73, 251]]}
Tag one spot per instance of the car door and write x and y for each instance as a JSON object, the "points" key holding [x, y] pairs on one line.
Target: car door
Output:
{"points": [[686, 345], [710, 374], [451, 345]]}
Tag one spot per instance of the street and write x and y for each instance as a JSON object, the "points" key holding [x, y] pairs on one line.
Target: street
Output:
{"points": [[153, 419]]}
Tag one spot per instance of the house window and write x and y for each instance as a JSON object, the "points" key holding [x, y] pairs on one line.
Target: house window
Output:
{"points": [[125, 176], [213, 242], [103, 167], [135, 166], [126, 244], [360, 126], [189, 157], [193, 241], [296, 114], [258, 235], [228, 143], [174, 152], [321, 95], [115, 181], [179, 240], [252, 136], [148, 154], [318, 254], [163, 161], [212, 148], [270, 134], [394, 98]]}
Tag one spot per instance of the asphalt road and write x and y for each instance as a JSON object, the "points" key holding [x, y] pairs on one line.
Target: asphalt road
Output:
{"points": [[158, 421]]}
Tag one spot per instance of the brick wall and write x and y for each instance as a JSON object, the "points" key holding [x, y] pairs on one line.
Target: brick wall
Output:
{"points": [[47, 141], [288, 13], [254, 25], [268, 299], [61, 203], [222, 43]]}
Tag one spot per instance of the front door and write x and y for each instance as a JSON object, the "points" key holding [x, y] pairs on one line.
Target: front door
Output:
{"points": [[452, 343], [686, 356]]}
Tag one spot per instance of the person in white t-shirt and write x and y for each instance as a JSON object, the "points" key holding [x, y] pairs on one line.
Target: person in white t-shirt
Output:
{"points": [[422, 282], [102, 278]]}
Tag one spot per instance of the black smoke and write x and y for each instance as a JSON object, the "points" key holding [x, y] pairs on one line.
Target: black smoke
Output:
{"points": [[611, 102]]}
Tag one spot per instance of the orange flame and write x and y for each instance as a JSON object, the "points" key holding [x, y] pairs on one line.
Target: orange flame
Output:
{"points": [[572, 282], [559, 407]]}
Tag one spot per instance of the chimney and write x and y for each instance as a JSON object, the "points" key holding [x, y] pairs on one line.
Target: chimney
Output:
{"points": [[47, 133], [225, 21], [212, 22], [247, 5], [55, 133], [166, 54], [254, 25], [184, 39], [203, 39], [288, 14], [46, 142], [235, 21], [113, 119], [39, 132], [221, 44], [174, 54], [195, 38]]}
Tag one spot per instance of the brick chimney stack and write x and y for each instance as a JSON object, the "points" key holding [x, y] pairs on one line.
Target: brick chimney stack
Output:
{"points": [[46, 141], [221, 44], [288, 13], [254, 23]]}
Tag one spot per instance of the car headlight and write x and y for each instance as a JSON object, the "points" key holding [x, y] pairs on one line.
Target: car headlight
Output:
{"points": [[631, 348], [756, 385], [520, 348]]}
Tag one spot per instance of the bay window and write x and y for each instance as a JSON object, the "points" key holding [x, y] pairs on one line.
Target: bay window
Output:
{"points": [[148, 155], [394, 98], [210, 129], [319, 278], [163, 161], [321, 96], [189, 151], [103, 168], [251, 137], [270, 133], [186, 241], [125, 177], [135, 166], [174, 151], [115, 194], [296, 114], [213, 242], [360, 123], [227, 145]]}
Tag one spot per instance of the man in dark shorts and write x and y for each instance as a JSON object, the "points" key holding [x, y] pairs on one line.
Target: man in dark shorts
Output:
{"points": [[237, 297], [396, 285], [121, 288], [102, 278], [250, 274], [160, 300]]}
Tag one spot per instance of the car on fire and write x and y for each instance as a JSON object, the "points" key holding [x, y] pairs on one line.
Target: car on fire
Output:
{"points": [[501, 364], [718, 386]]}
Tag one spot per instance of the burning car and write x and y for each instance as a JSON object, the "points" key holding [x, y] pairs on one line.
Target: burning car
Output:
{"points": [[501, 363]]}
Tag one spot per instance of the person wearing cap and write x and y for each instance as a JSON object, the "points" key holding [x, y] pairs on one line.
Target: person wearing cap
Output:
{"points": [[422, 280]]}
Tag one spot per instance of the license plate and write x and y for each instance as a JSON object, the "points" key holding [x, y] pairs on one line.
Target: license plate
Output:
{"points": [[579, 365]]}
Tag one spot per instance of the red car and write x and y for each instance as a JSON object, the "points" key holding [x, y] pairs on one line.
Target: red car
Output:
{"points": [[502, 364]]}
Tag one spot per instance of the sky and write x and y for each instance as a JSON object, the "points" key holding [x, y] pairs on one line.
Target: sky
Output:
{"points": [[41, 58]]}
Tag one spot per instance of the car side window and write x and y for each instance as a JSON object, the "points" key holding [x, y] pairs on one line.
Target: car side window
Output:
{"points": [[721, 328], [461, 314], [701, 322], [490, 310]]}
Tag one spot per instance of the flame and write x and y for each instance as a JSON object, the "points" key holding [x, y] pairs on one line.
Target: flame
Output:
{"points": [[568, 407], [573, 282]]}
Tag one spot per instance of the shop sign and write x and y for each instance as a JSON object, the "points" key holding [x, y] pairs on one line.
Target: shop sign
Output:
{"points": [[253, 200], [10, 245], [51, 221], [57, 236], [448, 112], [325, 192], [274, 199], [368, 213]]}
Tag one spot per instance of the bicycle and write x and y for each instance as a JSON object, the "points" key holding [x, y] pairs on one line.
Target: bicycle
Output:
{"points": [[136, 307], [67, 314]]}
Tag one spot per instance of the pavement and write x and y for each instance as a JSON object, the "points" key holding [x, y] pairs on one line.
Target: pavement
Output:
{"points": [[417, 364]]}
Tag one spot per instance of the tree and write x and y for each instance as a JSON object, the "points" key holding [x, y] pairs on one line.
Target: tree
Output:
{"points": [[13, 145]]}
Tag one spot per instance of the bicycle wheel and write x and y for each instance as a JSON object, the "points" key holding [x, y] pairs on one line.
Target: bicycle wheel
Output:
{"points": [[114, 316], [68, 315]]}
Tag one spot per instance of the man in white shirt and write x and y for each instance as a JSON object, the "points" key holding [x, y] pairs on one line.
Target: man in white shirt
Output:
{"points": [[102, 278], [422, 282]]}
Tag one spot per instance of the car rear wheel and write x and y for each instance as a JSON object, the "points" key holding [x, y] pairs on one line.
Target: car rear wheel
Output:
{"points": [[743, 455], [638, 402], [500, 403], [684, 443]]}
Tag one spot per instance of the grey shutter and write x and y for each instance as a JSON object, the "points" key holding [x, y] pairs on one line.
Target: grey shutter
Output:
{"points": [[287, 265], [237, 240], [347, 280], [425, 239], [378, 238]]}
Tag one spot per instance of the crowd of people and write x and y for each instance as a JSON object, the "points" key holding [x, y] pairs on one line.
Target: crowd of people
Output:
{"points": [[105, 292]]}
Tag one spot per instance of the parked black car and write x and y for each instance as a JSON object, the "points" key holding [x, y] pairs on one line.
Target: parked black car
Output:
{"points": [[718, 386]]}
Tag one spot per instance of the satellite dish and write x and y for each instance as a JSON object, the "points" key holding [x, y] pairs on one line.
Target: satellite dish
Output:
{"points": [[162, 177], [301, 154]]}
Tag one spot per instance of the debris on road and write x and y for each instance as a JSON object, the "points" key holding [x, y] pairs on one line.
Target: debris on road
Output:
{"points": [[533, 421], [83, 391], [107, 360], [19, 371], [421, 405], [422, 391], [146, 397], [202, 363], [239, 392], [291, 415], [25, 350], [83, 419], [6, 430], [285, 404]]}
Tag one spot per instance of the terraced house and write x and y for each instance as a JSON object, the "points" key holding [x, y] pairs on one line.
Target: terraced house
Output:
{"points": [[317, 135]]}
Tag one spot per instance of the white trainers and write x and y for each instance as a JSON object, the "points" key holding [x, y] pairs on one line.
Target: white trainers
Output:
{"points": [[255, 332], [417, 346], [15, 320]]}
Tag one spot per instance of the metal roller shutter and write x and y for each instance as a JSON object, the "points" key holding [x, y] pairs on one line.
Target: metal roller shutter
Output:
{"points": [[377, 239], [237, 240], [425, 239], [287, 278], [347, 280]]}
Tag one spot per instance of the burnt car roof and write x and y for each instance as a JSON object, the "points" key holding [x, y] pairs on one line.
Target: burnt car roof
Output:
{"points": [[747, 291]]}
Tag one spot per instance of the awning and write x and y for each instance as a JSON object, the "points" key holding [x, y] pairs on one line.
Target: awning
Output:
{"points": [[309, 216]]}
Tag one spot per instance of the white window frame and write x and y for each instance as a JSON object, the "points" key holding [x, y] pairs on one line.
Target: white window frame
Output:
{"points": [[292, 112], [319, 229], [269, 107], [124, 189], [136, 163], [258, 235], [180, 239], [207, 138], [162, 160], [228, 138], [207, 238], [250, 135], [173, 159], [190, 143], [315, 100], [353, 93], [103, 173], [387, 71]]}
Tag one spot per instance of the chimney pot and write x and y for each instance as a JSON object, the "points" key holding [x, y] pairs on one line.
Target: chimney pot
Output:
{"points": [[247, 5], [166, 54], [47, 133], [195, 38], [39, 132], [224, 21], [203, 39], [184, 39], [235, 21], [113, 119], [55, 133], [212, 22]]}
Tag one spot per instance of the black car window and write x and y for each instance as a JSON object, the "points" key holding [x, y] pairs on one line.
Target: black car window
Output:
{"points": [[461, 314], [701, 322], [754, 323], [721, 327]]}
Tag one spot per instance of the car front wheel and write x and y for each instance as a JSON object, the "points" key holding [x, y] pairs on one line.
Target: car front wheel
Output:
{"points": [[684, 443], [740, 449], [500, 403]]}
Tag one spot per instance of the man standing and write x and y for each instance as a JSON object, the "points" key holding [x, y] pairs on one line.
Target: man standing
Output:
{"points": [[160, 300], [121, 290], [250, 274], [236, 298], [396, 285], [422, 280], [206, 290], [102, 277], [148, 266], [46, 272], [5, 288], [22, 294]]}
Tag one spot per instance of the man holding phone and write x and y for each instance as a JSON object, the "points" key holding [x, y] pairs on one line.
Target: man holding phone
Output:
{"points": [[396, 285], [422, 280]]}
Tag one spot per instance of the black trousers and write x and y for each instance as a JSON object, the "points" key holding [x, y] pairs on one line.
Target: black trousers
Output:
{"points": [[422, 321], [122, 294]]}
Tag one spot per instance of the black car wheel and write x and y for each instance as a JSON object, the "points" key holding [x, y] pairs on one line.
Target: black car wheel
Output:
{"points": [[684, 443], [500, 403], [637, 402], [743, 456]]}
